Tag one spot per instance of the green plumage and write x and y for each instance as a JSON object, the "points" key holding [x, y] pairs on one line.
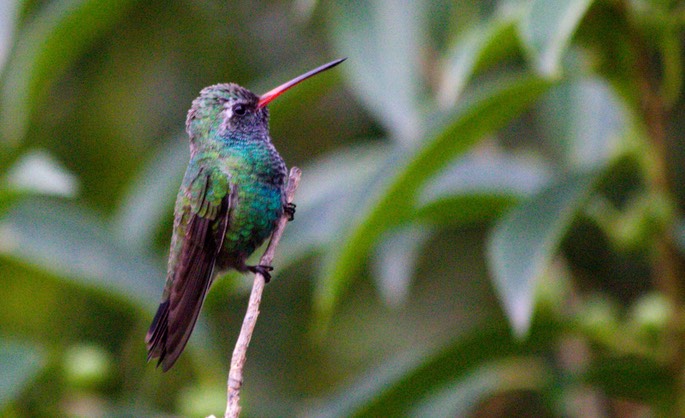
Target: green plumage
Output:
{"points": [[231, 198]]}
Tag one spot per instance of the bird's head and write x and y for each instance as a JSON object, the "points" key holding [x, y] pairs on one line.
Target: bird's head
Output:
{"points": [[231, 111], [224, 109]]}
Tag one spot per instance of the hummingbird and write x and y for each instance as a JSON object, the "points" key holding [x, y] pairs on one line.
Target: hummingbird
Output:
{"points": [[230, 200]]}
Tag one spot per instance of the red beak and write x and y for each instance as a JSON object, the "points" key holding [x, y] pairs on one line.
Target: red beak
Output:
{"points": [[267, 97]]}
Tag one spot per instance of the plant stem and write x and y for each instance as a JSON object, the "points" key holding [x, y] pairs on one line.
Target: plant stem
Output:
{"points": [[235, 375], [668, 266]]}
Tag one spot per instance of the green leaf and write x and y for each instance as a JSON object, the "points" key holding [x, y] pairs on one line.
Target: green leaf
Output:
{"points": [[483, 44], [20, 363], [151, 196], [479, 188], [324, 203], [395, 261], [468, 209], [72, 242], [393, 388], [459, 398], [523, 243], [384, 42], [37, 172], [547, 29], [46, 47], [585, 119], [361, 394], [468, 125]]}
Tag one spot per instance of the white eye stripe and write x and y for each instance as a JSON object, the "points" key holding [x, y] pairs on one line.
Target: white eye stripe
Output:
{"points": [[227, 114], [232, 109]]}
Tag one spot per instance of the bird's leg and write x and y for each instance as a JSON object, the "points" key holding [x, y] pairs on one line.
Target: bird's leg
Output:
{"points": [[263, 270], [289, 209]]}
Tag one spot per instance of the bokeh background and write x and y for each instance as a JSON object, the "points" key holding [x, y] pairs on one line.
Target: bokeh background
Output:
{"points": [[488, 222]]}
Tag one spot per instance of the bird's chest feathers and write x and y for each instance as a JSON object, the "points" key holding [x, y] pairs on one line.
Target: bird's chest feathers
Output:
{"points": [[257, 173], [254, 164]]}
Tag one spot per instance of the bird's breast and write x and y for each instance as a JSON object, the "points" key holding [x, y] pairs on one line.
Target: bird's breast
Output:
{"points": [[258, 176]]}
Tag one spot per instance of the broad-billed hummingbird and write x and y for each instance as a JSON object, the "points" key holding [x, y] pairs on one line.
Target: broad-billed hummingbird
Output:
{"points": [[231, 198]]}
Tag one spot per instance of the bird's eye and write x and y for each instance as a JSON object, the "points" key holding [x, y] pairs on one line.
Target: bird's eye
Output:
{"points": [[239, 110]]}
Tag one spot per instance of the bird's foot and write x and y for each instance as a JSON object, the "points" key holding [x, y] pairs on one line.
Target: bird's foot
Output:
{"points": [[289, 209], [263, 270]]}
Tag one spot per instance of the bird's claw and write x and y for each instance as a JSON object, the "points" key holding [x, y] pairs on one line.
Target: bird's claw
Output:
{"points": [[289, 209], [263, 270]]}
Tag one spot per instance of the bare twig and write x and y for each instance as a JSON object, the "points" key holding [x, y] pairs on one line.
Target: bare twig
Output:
{"points": [[235, 375]]}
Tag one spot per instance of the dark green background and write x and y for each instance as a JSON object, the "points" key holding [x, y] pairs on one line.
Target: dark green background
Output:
{"points": [[487, 216]]}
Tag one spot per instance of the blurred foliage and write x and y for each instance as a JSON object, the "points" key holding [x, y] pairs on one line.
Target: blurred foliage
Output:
{"points": [[489, 222]]}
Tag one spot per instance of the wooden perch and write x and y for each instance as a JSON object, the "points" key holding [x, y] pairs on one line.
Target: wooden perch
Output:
{"points": [[235, 375]]}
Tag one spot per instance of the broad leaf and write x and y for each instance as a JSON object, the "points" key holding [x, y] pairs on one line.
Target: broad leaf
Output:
{"points": [[547, 29], [483, 43], [325, 203], [395, 261], [37, 172], [151, 196], [460, 398], [523, 243], [393, 388], [384, 41], [74, 243], [479, 188], [397, 202], [585, 119]]}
